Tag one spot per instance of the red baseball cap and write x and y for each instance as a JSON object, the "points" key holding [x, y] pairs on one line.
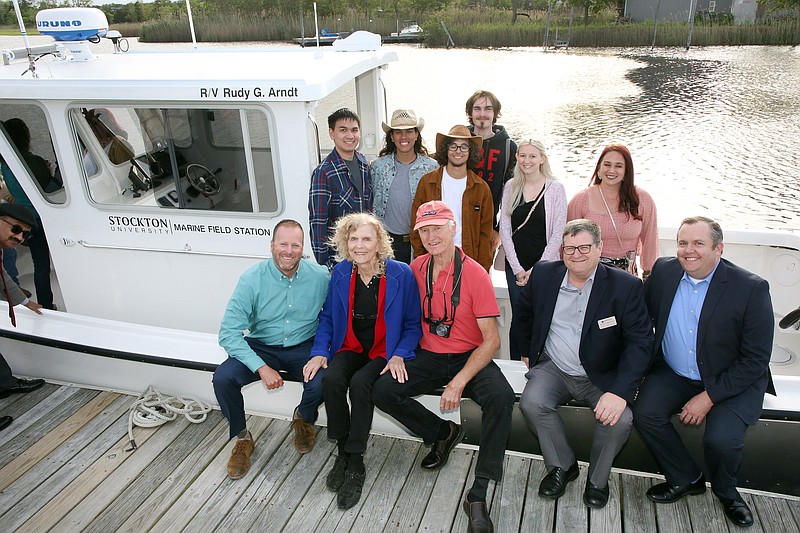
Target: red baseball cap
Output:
{"points": [[433, 213]]}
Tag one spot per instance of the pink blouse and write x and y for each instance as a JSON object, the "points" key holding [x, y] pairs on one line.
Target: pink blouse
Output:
{"points": [[639, 235]]}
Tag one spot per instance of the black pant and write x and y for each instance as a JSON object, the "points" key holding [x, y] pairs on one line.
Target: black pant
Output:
{"points": [[429, 371], [358, 372], [401, 245], [663, 394]]}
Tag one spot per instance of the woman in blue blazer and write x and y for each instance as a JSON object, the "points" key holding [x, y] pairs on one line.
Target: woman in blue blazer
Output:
{"points": [[370, 325]]}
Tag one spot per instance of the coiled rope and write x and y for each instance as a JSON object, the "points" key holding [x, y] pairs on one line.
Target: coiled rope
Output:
{"points": [[154, 408]]}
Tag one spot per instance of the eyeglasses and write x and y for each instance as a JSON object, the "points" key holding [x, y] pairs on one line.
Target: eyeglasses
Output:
{"points": [[582, 248], [16, 229], [453, 147]]}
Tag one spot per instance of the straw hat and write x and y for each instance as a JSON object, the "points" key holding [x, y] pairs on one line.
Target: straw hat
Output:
{"points": [[403, 119], [457, 132]]}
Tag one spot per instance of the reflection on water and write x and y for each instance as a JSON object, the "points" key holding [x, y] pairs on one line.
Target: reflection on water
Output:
{"points": [[713, 130]]}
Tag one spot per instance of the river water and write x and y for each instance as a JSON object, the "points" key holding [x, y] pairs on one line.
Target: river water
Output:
{"points": [[713, 131]]}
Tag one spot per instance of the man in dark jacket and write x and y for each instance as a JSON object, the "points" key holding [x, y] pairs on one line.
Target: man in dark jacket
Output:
{"points": [[498, 156]]}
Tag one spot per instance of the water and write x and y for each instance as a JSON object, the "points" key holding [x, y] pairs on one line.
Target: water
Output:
{"points": [[713, 131]]}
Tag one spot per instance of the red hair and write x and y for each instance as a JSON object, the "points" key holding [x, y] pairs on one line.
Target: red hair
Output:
{"points": [[628, 197]]}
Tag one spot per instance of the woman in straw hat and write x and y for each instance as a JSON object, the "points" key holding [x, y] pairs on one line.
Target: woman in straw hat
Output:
{"points": [[395, 175]]}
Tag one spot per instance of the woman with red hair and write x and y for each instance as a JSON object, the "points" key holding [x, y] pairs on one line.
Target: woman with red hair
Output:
{"points": [[625, 213]]}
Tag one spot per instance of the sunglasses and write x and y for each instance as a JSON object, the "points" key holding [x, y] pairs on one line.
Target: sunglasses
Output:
{"points": [[16, 229]]}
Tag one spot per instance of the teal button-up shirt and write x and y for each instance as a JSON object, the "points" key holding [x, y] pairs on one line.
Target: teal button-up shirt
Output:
{"points": [[274, 309]]}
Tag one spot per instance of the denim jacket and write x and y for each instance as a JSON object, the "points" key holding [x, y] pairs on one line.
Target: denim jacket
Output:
{"points": [[383, 171]]}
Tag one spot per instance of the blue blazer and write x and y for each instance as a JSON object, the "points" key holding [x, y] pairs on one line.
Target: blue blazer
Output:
{"points": [[734, 334], [401, 312], [616, 357]]}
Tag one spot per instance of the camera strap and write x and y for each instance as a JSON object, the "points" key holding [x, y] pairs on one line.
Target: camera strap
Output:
{"points": [[455, 296]]}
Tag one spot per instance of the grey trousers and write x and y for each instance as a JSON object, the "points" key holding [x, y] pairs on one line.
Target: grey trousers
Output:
{"points": [[547, 388]]}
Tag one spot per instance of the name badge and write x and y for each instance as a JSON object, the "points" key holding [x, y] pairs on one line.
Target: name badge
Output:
{"points": [[604, 323]]}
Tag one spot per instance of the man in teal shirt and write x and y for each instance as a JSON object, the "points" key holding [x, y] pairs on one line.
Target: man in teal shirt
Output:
{"points": [[276, 303]]}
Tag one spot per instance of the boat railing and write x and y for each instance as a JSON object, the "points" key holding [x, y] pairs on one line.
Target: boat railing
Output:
{"points": [[186, 250]]}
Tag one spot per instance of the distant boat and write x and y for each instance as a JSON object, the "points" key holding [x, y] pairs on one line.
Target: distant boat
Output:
{"points": [[411, 33], [326, 38]]}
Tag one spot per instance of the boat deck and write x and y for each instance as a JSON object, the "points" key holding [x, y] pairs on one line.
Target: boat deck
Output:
{"points": [[64, 466]]}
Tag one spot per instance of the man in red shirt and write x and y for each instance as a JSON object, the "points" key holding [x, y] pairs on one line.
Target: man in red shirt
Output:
{"points": [[459, 339]]}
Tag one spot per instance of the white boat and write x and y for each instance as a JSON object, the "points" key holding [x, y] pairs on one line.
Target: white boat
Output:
{"points": [[147, 251]]}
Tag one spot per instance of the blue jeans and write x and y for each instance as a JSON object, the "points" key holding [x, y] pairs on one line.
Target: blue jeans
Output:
{"points": [[232, 375]]}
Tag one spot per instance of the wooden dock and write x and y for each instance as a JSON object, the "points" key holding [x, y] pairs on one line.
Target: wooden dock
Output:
{"points": [[64, 466]]}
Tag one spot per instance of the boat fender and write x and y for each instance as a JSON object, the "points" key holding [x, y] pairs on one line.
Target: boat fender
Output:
{"points": [[791, 319]]}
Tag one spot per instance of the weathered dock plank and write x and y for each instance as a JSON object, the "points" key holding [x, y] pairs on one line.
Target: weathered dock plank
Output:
{"points": [[198, 497], [317, 500], [638, 512], [538, 514], [49, 476], [706, 513], [163, 496], [414, 496], [41, 447], [378, 504], [571, 514], [107, 491], [609, 518], [16, 405], [130, 498], [509, 497]]}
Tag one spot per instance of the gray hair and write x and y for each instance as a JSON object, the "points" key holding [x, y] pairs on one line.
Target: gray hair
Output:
{"points": [[573, 227], [716, 230]]}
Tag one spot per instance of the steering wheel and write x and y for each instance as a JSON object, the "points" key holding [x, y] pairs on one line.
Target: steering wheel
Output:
{"points": [[202, 179]]}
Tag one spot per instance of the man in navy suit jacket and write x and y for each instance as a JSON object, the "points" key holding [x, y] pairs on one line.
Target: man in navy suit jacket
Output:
{"points": [[714, 326], [589, 337]]}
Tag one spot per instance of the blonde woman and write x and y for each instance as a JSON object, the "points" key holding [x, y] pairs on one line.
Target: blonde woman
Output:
{"points": [[534, 211], [370, 325]]}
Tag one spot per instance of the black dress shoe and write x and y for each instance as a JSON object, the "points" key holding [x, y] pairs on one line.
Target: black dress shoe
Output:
{"points": [[554, 484], [22, 386], [595, 497], [666, 493], [351, 489], [738, 512], [479, 521], [440, 451], [5, 421]]}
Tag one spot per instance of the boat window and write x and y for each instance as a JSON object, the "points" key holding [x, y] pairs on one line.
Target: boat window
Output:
{"points": [[26, 129], [178, 158]]}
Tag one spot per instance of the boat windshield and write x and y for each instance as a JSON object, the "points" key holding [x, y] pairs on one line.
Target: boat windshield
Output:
{"points": [[178, 158]]}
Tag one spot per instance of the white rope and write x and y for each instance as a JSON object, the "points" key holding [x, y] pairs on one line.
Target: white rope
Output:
{"points": [[154, 408]]}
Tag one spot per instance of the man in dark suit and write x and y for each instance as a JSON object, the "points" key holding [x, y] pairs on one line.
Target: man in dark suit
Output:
{"points": [[589, 338], [714, 328]]}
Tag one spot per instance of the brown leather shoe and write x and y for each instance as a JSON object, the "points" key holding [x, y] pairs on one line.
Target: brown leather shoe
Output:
{"points": [[239, 462], [304, 437]]}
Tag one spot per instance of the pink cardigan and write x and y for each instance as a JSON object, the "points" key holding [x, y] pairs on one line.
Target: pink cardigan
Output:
{"points": [[555, 208], [639, 235]]}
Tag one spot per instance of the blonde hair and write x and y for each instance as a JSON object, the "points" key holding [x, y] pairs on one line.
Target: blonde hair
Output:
{"points": [[518, 181], [350, 223]]}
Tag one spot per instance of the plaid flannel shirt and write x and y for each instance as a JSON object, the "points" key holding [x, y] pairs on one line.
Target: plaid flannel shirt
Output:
{"points": [[332, 195]]}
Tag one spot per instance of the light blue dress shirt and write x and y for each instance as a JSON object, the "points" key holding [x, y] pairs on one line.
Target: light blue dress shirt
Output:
{"points": [[563, 343], [680, 337]]}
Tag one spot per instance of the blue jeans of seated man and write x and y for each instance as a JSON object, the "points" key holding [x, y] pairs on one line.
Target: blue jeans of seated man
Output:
{"points": [[429, 371], [232, 375]]}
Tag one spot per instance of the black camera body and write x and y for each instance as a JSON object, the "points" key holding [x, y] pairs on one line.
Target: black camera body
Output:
{"points": [[442, 330]]}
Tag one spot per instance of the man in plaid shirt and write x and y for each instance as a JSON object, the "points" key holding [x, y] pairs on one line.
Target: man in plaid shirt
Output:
{"points": [[340, 185]]}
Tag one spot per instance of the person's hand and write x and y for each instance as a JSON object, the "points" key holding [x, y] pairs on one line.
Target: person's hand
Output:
{"points": [[313, 366], [609, 408], [33, 306], [397, 366], [451, 397], [495, 241], [270, 377], [522, 277], [696, 409], [525, 360]]}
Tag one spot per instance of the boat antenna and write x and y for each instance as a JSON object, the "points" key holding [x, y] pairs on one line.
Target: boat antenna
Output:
{"points": [[316, 24], [31, 61], [191, 23]]}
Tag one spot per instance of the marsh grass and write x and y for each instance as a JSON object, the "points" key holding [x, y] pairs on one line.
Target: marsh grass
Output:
{"points": [[490, 29]]}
